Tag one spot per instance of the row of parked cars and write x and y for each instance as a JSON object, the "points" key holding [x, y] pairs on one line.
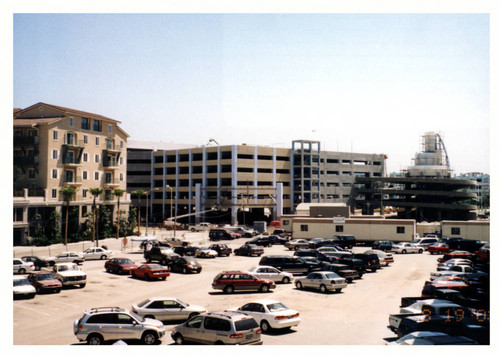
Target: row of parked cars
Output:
{"points": [[454, 305]]}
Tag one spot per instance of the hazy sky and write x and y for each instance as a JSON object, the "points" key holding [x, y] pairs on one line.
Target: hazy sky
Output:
{"points": [[370, 83]]}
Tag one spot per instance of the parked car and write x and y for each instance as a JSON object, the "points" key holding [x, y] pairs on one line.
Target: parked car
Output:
{"points": [[452, 262], [21, 267], [469, 245], [37, 261], [438, 248], [203, 226], [342, 270], [44, 282], [334, 248], [261, 241], [205, 252], [462, 271], [277, 239], [314, 241], [166, 309], [270, 314], [384, 258], [23, 288], [482, 254], [457, 254], [245, 232], [221, 249], [371, 260], [231, 281], [96, 253], [295, 244], [70, 274], [100, 325], [64, 257], [217, 234], [345, 241], [327, 243], [151, 271], [249, 250], [382, 245], [175, 242], [186, 264], [271, 273], [450, 282], [432, 338], [306, 252], [185, 251], [292, 264], [322, 280], [218, 328], [164, 255], [120, 265], [424, 242], [404, 247]]}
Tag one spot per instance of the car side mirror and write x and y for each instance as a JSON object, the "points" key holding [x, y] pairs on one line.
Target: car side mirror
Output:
{"points": [[134, 322]]}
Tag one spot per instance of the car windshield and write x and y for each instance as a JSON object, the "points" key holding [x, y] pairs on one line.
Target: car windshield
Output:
{"points": [[124, 261], [276, 307], [42, 277], [21, 282], [155, 267], [245, 324]]}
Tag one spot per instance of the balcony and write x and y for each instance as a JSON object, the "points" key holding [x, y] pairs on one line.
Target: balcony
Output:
{"points": [[25, 160], [26, 140], [110, 162], [111, 182], [74, 143], [69, 160], [73, 181]]}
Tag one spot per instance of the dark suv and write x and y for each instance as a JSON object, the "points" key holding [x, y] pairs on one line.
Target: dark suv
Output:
{"points": [[292, 264], [345, 241], [217, 234], [383, 245], [230, 281], [372, 261], [221, 249]]}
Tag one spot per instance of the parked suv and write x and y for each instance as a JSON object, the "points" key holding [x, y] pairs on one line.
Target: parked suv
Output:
{"points": [[219, 328], [221, 249], [230, 281], [286, 263], [112, 323], [217, 234], [345, 241]]}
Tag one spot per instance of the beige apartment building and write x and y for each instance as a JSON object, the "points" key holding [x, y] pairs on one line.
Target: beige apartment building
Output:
{"points": [[57, 147]]}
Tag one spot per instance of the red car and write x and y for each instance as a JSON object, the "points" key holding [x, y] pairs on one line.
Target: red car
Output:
{"points": [[151, 271], [44, 282], [484, 252], [449, 282], [461, 254], [230, 281], [439, 248], [120, 265]]}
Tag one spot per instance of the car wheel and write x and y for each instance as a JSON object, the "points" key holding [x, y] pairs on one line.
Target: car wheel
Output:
{"points": [[178, 339], [286, 280], [338, 290], [82, 285], [51, 263], [420, 251], [299, 285], [403, 251], [264, 326], [229, 289], [218, 342], [58, 290], [133, 274], [146, 277], [95, 339], [21, 271], [194, 314], [264, 288], [322, 288], [184, 270], [193, 230], [297, 248], [37, 289], [103, 257], [148, 260], [108, 270], [37, 268], [149, 338]]}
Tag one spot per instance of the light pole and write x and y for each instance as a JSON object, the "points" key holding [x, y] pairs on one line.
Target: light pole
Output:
{"points": [[147, 208], [171, 206]]}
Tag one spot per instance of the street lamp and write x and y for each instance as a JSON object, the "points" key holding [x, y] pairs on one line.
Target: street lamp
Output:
{"points": [[171, 206]]}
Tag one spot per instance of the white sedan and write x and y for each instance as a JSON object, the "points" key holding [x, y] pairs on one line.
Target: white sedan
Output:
{"points": [[22, 267], [270, 314], [322, 280], [166, 309], [404, 248], [205, 252], [271, 273], [96, 253]]}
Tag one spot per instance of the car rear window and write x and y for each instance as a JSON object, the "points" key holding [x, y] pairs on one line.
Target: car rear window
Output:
{"points": [[245, 324], [217, 324]]}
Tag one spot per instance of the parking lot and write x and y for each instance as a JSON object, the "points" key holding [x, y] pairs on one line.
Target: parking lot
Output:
{"points": [[357, 316]]}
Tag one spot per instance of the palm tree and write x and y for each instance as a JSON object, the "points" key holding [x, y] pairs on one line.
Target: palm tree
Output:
{"points": [[139, 193], [67, 194], [95, 192], [118, 193]]}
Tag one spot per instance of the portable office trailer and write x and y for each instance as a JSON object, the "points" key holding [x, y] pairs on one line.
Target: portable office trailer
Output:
{"points": [[479, 230], [365, 230]]}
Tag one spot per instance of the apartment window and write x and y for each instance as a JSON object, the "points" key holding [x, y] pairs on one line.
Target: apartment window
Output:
{"points": [[85, 157], [122, 144], [31, 173], [304, 227], [109, 143], [96, 175], [97, 141], [85, 139], [108, 178], [97, 158], [121, 176], [121, 160], [455, 231], [97, 126], [110, 128], [339, 229], [55, 154], [85, 123], [54, 173], [84, 195], [55, 135], [400, 230], [71, 121], [85, 175], [54, 193]]}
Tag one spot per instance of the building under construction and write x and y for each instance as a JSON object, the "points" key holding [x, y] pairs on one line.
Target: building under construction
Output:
{"points": [[425, 191]]}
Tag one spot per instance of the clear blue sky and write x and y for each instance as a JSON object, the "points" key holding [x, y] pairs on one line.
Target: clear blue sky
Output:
{"points": [[372, 83]]}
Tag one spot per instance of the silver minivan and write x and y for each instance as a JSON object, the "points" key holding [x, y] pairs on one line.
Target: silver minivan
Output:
{"points": [[219, 328]]}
